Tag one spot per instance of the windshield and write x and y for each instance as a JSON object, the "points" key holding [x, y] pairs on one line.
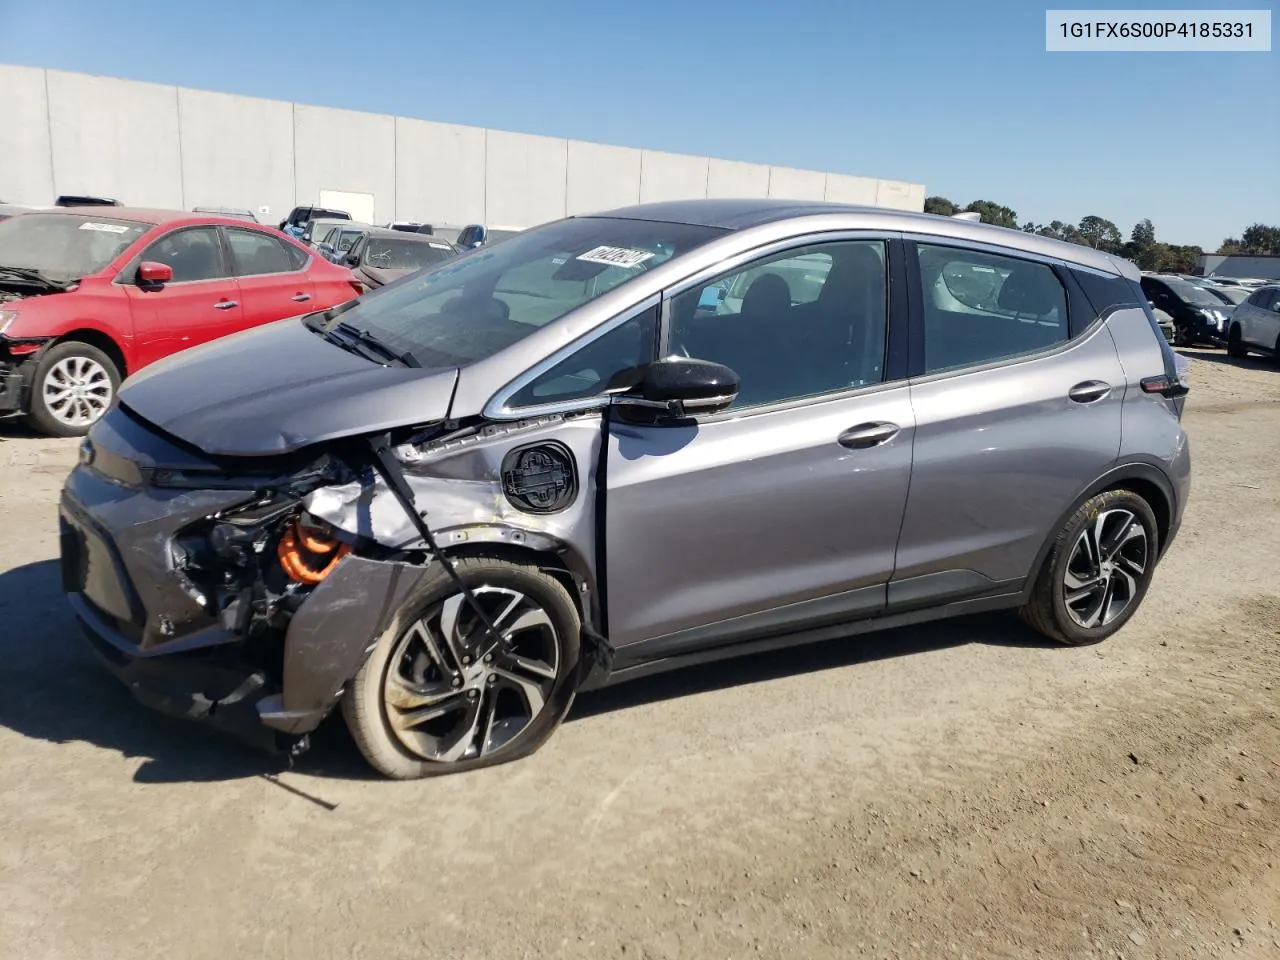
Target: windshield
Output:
{"points": [[385, 253], [468, 308], [1190, 293], [62, 246]]}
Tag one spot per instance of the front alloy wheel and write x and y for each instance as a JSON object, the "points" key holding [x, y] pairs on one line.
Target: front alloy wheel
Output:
{"points": [[73, 387], [439, 694]]}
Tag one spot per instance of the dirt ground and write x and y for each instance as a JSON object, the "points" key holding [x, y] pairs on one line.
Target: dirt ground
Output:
{"points": [[953, 790]]}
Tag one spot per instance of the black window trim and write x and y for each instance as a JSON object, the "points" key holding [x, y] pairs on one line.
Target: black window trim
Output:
{"points": [[1061, 270], [127, 276], [229, 254]]}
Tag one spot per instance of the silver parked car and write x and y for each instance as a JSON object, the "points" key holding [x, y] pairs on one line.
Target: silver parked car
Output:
{"points": [[1255, 324], [616, 444]]}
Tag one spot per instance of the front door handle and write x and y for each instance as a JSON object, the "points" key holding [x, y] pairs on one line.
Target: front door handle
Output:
{"points": [[300, 297], [1089, 391], [225, 305], [868, 435]]}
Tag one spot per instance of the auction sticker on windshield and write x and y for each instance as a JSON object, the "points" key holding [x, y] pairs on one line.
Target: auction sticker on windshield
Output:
{"points": [[616, 256], [104, 227]]}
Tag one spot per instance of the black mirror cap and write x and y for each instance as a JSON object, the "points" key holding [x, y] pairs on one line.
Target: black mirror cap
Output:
{"points": [[677, 387]]}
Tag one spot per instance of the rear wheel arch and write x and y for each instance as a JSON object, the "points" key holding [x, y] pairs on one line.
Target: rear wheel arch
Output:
{"points": [[1144, 479]]}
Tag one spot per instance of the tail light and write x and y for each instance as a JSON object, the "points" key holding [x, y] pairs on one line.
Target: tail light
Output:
{"points": [[308, 553]]}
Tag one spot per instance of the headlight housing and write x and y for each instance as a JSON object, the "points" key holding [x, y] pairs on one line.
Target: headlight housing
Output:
{"points": [[7, 316]]}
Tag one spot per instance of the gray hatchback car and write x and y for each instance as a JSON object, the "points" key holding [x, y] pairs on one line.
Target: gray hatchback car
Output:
{"points": [[617, 444]]}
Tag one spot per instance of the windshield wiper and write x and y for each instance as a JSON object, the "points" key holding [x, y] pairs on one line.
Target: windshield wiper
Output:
{"points": [[35, 276], [363, 342]]}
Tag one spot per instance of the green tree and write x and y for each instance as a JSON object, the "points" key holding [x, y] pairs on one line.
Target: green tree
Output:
{"points": [[940, 205], [1230, 247], [1058, 230], [1261, 239], [994, 213], [1100, 234], [1143, 235]]}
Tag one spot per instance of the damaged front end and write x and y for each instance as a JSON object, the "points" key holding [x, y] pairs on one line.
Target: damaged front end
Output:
{"points": [[247, 592]]}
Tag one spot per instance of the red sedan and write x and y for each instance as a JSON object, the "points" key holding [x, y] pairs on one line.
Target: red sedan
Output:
{"points": [[89, 295]]}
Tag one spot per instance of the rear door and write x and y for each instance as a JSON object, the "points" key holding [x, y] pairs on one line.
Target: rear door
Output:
{"points": [[271, 275], [1017, 398], [782, 512], [201, 303], [1264, 320]]}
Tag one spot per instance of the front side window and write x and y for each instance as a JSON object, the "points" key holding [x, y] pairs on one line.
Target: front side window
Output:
{"points": [[256, 253], [468, 308], [64, 247], [192, 254], [981, 307], [801, 323], [586, 372]]}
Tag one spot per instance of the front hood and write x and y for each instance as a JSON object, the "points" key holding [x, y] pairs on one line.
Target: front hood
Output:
{"points": [[378, 277], [279, 387]]}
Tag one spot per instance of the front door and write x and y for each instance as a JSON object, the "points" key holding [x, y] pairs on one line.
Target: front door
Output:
{"points": [[782, 512], [1014, 418], [272, 285], [199, 304]]}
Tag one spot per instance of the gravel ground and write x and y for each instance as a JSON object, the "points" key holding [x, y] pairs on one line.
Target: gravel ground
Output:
{"points": [[953, 790]]}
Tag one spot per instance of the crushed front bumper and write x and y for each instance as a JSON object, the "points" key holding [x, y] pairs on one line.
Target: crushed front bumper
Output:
{"points": [[13, 389], [176, 657]]}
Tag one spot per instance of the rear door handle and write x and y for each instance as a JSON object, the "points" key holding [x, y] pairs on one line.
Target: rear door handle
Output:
{"points": [[300, 297], [868, 435], [225, 305], [1089, 391]]}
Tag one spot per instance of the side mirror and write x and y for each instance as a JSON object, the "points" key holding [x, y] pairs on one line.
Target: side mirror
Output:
{"points": [[151, 273], [352, 260], [674, 388]]}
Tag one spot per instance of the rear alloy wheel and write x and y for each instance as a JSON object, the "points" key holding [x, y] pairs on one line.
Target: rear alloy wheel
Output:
{"points": [[1235, 346], [74, 385], [1182, 337], [1097, 571], [439, 694]]}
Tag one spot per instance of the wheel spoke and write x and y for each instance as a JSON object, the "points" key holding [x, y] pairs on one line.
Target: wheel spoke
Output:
{"points": [[490, 714], [449, 627], [527, 665], [453, 701], [456, 746], [537, 617], [528, 689], [1092, 587], [405, 695]]}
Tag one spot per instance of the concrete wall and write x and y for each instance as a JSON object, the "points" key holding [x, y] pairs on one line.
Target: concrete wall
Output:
{"points": [[153, 145]]}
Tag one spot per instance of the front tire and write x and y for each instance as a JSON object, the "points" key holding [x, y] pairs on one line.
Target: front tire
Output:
{"points": [[436, 696], [1235, 346], [74, 386], [1097, 571]]}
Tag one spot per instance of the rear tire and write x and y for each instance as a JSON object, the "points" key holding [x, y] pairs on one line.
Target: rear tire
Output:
{"points": [[74, 386], [1097, 571], [1235, 346], [1182, 337], [436, 697]]}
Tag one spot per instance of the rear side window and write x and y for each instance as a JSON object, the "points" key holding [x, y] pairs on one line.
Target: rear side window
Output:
{"points": [[1108, 293], [256, 253], [297, 259], [981, 307]]}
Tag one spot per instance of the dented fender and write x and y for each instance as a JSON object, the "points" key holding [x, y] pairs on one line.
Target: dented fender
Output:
{"points": [[332, 634]]}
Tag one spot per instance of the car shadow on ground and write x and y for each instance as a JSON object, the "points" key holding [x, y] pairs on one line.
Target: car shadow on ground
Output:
{"points": [[14, 428], [53, 689]]}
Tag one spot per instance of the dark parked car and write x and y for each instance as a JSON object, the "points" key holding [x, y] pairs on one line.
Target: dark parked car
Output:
{"points": [[89, 295], [299, 217], [1198, 316], [558, 462], [379, 256], [76, 200]]}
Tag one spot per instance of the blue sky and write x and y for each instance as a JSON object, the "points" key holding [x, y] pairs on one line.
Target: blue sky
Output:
{"points": [[959, 96]]}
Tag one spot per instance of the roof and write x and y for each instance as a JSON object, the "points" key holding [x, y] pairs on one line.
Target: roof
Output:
{"points": [[144, 215], [746, 213], [403, 235]]}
